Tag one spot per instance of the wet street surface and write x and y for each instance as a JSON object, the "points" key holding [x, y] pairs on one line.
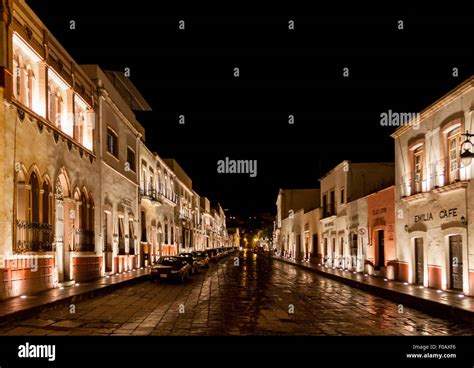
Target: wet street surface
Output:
{"points": [[259, 296]]}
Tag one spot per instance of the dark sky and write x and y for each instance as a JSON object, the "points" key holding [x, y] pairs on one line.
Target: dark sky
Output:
{"points": [[282, 72]]}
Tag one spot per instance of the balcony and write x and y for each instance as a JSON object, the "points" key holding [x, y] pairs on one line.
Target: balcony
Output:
{"points": [[84, 240], [328, 210], [149, 194], [33, 237], [441, 173], [444, 172]]}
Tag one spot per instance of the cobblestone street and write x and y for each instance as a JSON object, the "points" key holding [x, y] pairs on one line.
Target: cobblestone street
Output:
{"points": [[254, 298]]}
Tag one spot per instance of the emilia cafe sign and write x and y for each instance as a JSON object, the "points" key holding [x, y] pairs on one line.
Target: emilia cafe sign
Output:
{"points": [[443, 214]]}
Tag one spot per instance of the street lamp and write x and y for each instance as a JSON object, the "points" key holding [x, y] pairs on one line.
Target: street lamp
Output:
{"points": [[467, 149]]}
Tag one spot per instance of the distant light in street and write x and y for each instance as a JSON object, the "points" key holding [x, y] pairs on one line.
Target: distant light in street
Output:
{"points": [[76, 284], [385, 280], [439, 291], [366, 275], [461, 295], [23, 297], [61, 288], [421, 287]]}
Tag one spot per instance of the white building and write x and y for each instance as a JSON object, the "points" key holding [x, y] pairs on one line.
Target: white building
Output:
{"points": [[346, 183], [434, 192]]}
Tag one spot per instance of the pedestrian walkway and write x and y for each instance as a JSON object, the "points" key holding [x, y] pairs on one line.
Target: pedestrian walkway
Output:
{"points": [[436, 302], [27, 305]]}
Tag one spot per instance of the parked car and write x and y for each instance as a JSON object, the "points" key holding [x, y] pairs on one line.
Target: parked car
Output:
{"points": [[258, 249], [170, 268], [212, 254], [201, 258], [189, 258]]}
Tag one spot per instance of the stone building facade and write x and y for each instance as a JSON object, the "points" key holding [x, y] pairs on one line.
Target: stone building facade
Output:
{"points": [[433, 195], [81, 195]]}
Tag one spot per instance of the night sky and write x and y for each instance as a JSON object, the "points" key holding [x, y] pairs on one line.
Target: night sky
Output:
{"points": [[282, 72]]}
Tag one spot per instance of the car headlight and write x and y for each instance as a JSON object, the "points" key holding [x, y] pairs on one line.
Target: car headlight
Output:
{"points": [[174, 271]]}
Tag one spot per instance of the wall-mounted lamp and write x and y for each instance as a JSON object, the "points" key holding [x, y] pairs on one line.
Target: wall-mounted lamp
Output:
{"points": [[407, 228], [463, 220], [467, 149]]}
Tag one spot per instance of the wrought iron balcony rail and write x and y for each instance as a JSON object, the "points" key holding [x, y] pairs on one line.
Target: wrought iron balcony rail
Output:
{"points": [[328, 210], [33, 237], [440, 173], [160, 192]]}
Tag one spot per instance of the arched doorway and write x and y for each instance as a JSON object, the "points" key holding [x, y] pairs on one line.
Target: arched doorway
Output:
{"points": [[61, 194]]}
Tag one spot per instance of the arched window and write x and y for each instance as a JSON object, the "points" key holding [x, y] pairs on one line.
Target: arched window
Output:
{"points": [[59, 109], [91, 213], [83, 223], [17, 77], [52, 103], [46, 203], [166, 232], [30, 87], [33, 208]]}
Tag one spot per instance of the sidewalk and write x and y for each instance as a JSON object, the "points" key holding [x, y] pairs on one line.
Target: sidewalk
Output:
{"points": [[22, 307], [435, 302]]}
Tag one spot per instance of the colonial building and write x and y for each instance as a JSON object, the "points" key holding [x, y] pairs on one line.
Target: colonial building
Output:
{"points": [[119, 134], [81, 195], [346, 183], [198, 231], [183, 211], [207, 222], [358, 241], [297, 223], [381, 256], [433, 193], [49, 166], [158, 206]]}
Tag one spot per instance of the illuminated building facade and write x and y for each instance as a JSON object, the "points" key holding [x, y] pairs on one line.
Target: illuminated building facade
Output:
{"points": [[433, 193]]}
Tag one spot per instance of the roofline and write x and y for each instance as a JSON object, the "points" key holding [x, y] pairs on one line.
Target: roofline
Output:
{"points": [[438, 104]]}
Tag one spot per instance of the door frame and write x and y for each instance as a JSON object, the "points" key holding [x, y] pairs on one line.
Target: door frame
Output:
{"points": [[377, 248], [60, 251], [413, 236], [450, 262]]}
